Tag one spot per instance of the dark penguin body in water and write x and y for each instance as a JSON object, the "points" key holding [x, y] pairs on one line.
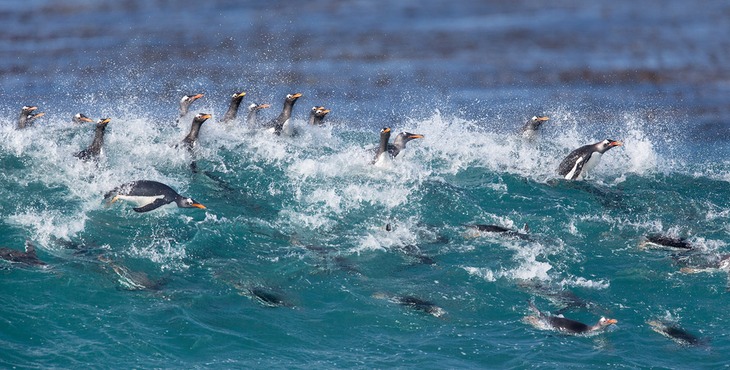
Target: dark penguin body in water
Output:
{"points": [[316, 115], [150, 195], [232, 111], [80, 118], [27, 116], [29, 257], [529, 130], [414, 303], [563, 325], [582, 160], [94, 150], [281, 124], [391, 151], [252, 117], [485, 228], [659, 241], [185, 103], [675, 333]]}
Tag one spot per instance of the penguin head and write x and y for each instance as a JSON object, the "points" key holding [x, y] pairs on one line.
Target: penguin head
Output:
{"points": [[536, 121], [201, 117], [184, 202], [604, 322], [236, 97], [255, 106], [404, 137], [291, 98], [385, 132], [188, 99], [103, 122], [28, 108], [80, 117], [319, 111], [608, 144]]}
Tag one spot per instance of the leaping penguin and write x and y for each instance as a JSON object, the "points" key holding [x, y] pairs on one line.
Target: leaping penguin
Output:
{"points": [[94, 150], [529, 130], [582, 160], [149, 195], [185, 103], [27, 115], [281, 124], [232, 111], [191, 140], [252, 117]]}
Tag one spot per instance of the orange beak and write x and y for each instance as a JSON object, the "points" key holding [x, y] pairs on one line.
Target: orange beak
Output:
{"points": [[198, 205]]}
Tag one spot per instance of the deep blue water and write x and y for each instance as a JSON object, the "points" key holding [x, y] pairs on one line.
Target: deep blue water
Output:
{"points": [[304, 218]]}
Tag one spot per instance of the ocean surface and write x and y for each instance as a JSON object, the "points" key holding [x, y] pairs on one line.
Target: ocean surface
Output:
{"points": [[306, 252]]}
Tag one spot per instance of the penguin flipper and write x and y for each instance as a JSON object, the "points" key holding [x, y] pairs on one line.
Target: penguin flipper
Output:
{"points": [[150, 207]]}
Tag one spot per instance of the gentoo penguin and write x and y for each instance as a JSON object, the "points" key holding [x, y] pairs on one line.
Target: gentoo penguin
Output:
{"points": [[316, 115], [660, 241], [29, 257], [382, 154], [130, 280], [232, 111], [674, 333], [27, 115], [149, 195], [400, 142], [185, 102], [81, 118], [563, 325], [582, 160], [267, 297], [281, 124], [414, 303], [252, 117], [529, 130], [485, 228], [94, 150], [190, 141]]}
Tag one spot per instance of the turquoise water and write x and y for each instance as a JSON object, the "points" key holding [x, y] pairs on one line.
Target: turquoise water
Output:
{"points": [[304, 219]]}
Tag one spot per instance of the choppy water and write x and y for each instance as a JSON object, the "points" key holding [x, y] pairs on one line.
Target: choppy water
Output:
{"points": [[304, 219]]}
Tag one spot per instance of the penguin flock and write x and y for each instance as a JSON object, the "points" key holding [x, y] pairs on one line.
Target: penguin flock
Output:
{"points": [[149, 195]]}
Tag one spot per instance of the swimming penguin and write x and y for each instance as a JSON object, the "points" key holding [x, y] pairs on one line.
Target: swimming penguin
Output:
{"points": [[674, 333], [267, 297], [252, 117], [185, 103], [563, 325], [94, 150], [232, 111], [484, 228], [659, 241], [281, 124], [713, 264], [29, 257], [414, 303], [149, 195], [582, 160], [400, 142], [529, 130], [316, 115], [191, 140], [131, 280], [27, 116], [81, 118]]}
